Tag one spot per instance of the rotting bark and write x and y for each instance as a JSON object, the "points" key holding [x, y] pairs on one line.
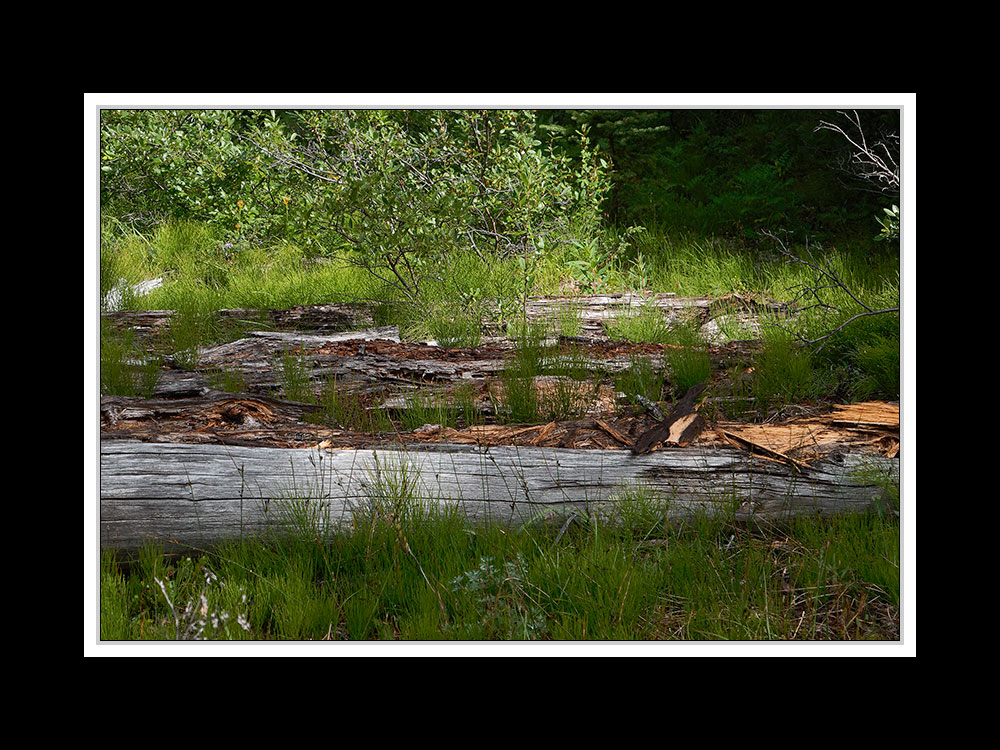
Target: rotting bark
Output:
{"points": [[375, 357], [195, 496], [212, 417]]}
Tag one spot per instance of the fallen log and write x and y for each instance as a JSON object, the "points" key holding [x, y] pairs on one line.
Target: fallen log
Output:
{"points": [[593, 313], [184, 496], [376, 358]]}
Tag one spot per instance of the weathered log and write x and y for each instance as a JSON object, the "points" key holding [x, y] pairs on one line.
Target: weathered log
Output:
{"points": [[324, 318], [195, 496], [359, 359], [211, 417]]}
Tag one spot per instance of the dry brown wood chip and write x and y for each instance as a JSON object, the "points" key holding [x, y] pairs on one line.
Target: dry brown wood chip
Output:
{"points": [[742, 442], [543, 433], [612, 432]]}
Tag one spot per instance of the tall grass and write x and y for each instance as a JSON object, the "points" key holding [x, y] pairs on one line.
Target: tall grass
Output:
{"points": [[126, 368], [687, 357], [783, 374], [405, 570], [344, 408], [295, 374], [461, 290], [647, 324], [640, 380], [535, 386], [454, 409]]}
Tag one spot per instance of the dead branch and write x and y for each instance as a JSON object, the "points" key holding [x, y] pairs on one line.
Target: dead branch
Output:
{"points": [[874, 163], [826, 278]]}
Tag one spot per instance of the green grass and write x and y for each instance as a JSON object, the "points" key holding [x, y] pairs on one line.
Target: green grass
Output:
{"points": [[640, 379], [195, 262], [878, 372], [685, 352], [566, 391], [454, 409], [194, 325], [783, 374], [518, 400], [199, 270], [294, 373], [686, 357], [452, 327], [647, 324], [227, 379], [461, 290], [344, 408], [406, 571], [126, 369]]}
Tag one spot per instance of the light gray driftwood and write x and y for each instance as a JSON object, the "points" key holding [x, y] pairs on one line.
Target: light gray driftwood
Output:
{"points": [[194, 496]]}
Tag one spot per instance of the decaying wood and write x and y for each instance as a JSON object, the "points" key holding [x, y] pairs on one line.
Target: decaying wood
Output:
{"points": [[741, 442], [681, 426], [323, 318], [376, 355], [595, 311], [613, 432], [809, 438], [196, 465], [194, 496], [211, 417], [878, 415]]}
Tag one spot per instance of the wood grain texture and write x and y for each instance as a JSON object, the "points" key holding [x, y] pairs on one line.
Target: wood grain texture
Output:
{"points": [[195, 496]]}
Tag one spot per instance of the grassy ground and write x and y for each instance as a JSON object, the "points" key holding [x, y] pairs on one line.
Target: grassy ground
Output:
{"points": [[405, 573], [862, 361]]}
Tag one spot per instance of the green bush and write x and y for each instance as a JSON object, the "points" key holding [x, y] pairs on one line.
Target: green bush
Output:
{"points": [[396, 188]]}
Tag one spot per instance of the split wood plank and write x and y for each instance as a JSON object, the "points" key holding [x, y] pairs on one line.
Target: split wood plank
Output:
{"points": [[741, 442], [680, 427]]}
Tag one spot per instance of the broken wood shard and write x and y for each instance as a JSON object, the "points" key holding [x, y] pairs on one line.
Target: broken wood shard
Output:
{"points": [[741, 442], [681, 426]]}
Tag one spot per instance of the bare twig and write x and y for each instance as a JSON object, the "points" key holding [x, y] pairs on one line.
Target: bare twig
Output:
{"points": [[824, 273], [874, 163]]}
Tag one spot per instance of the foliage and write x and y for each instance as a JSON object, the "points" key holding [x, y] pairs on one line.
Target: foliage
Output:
{"points": [[187, 164], [724, 172], [889, 224], [391, 189]]}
